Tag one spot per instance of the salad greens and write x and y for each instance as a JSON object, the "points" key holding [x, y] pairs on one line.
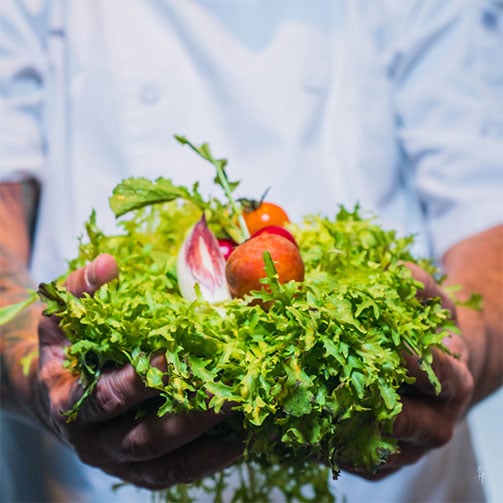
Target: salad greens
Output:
{"points": [[317, 377]]}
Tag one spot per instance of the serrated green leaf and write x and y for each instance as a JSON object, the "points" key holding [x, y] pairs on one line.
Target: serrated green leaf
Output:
{"points": [[136, 193], [300, 403]]}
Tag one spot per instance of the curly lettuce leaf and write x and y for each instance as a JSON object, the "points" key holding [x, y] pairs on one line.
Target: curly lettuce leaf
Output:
{"points": [[317, 376]]}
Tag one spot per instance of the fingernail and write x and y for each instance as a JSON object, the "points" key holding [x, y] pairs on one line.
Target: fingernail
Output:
{"points": [[90, 275]]}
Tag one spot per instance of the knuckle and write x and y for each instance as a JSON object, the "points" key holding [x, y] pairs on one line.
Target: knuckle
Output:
{"points": [[74, 281], [190, 427], [441, 436], [139, 446], [430, 432], [403, 425], [467, 386], [108, 397]]}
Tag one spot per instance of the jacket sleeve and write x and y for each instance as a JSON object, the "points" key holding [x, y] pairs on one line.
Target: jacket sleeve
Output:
{"points": [[23, 70], [446, 68]]}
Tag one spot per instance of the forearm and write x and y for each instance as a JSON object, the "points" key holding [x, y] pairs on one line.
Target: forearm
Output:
{"points": [[19, 338], [477, 265], [18, 342]]}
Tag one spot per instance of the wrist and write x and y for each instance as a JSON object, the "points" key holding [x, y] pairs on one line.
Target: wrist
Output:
{"points": [[475, 265], [471, 325], [19, 363]]}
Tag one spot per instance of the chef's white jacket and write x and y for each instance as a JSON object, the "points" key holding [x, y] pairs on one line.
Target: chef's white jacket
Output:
{"points": [[392, 104]]}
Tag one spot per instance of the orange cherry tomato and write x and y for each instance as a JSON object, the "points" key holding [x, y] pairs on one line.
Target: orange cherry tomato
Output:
{"points": [[264, 214]]}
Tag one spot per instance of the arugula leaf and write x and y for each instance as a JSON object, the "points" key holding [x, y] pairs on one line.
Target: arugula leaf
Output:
{"points": [[134, 193], [221, 179]]}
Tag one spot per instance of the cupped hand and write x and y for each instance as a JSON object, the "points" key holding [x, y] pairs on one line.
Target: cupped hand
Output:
{"points": [[427, 420], [152, 452]]}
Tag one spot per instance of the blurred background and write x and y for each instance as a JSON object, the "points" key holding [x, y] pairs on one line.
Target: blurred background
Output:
{"points": [[487, 422]]}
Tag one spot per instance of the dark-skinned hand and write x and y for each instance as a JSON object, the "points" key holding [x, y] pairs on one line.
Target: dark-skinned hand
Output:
{"points": [[154, 452]]}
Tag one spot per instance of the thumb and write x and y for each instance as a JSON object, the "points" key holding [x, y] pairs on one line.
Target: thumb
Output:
{"points": [[90, 277], [87, 279]]}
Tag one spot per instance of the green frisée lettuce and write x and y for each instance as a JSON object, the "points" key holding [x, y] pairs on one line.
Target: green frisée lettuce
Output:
{"points": [[317, 377]]}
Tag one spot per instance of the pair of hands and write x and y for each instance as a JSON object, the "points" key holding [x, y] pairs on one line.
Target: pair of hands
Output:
{"points": [[159, 452]]}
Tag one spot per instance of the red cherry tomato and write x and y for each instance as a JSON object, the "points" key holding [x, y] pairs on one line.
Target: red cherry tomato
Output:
{"points": [[263, 215], [226, 246], [276, 229]]}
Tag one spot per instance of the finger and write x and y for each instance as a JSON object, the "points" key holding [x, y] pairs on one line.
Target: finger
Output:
{"points": [[188, 464], [454, 376], [117, 391], [49, 334], [457, 347], [90, 277], [408, 455], [431, 288], [425, 422], [128, 439], [428, 419]]}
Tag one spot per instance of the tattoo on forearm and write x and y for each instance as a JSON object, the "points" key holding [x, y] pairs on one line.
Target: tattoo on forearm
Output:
{"points": [[18, 211], [19, 337]]}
